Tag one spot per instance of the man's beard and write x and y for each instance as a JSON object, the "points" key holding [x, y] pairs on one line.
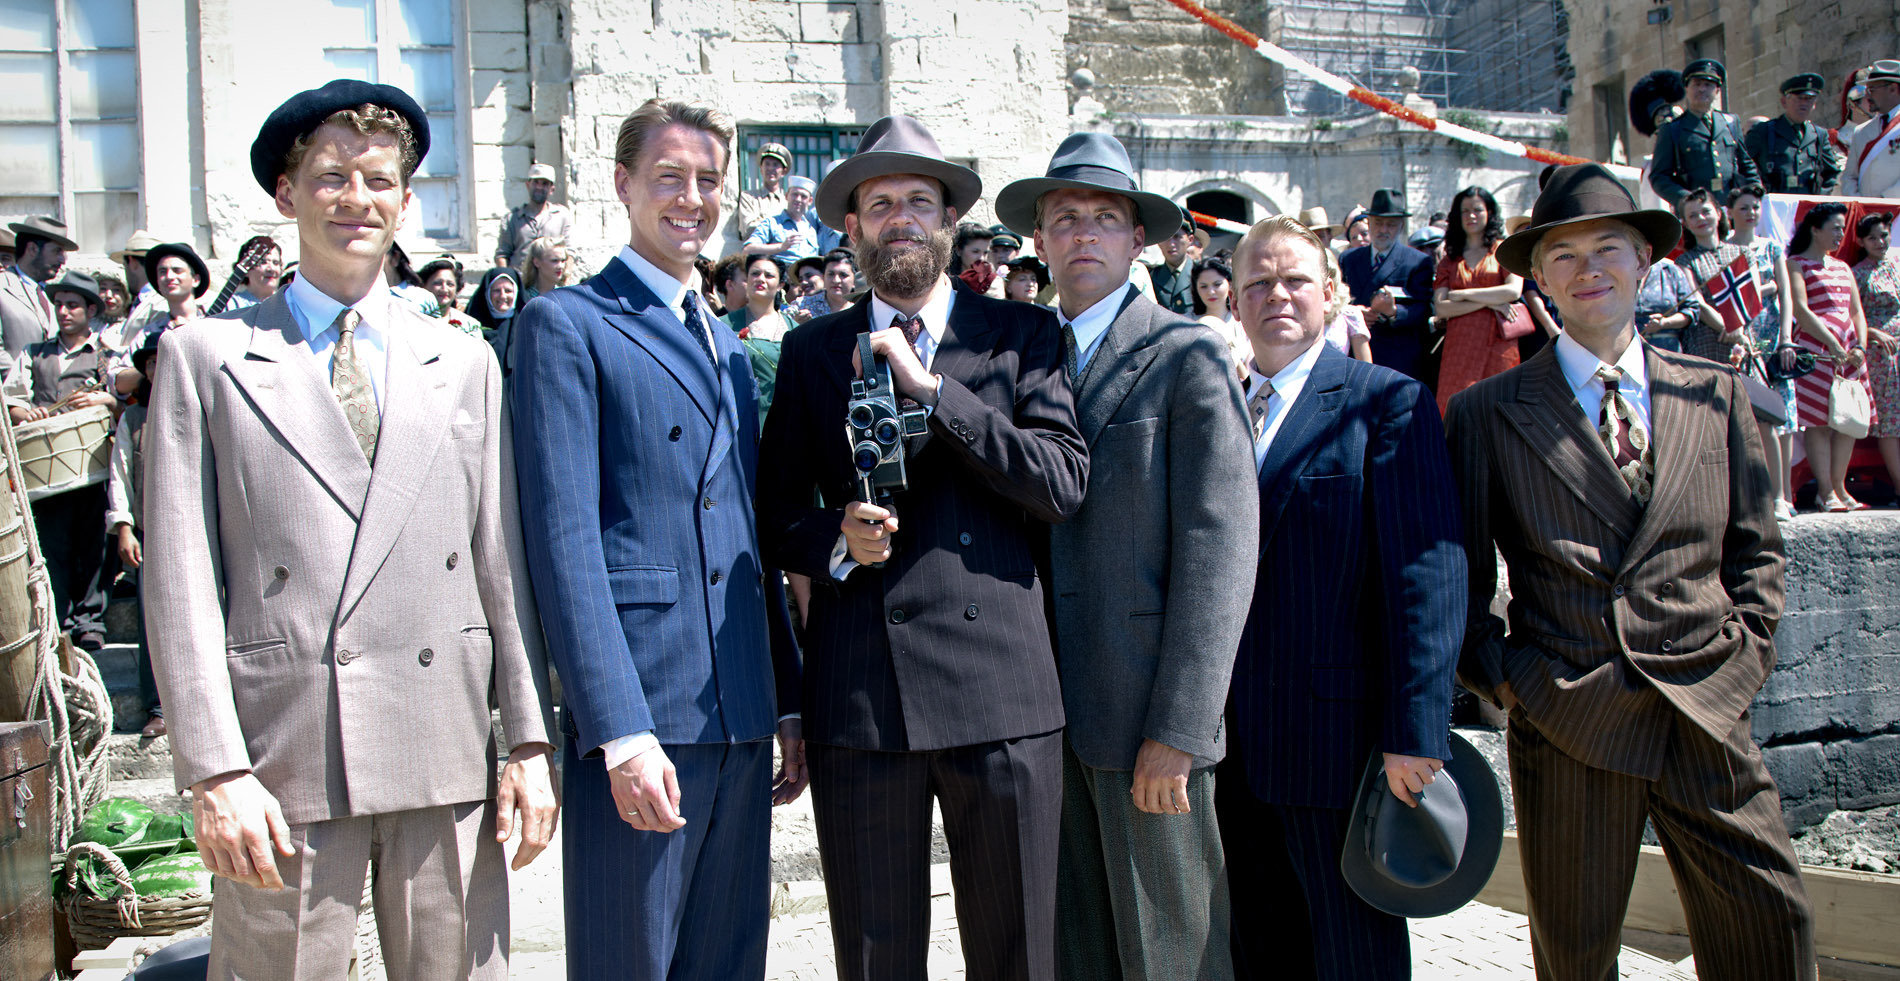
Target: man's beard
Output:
{"points": [[909, 272], [537, 196]]}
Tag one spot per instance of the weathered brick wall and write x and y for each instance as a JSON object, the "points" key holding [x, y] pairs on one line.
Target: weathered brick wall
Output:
{"points": [[1150, 57]]}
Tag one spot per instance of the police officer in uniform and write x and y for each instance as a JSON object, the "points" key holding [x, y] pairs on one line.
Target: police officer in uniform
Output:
{"points": [[1702, 147], [1792, 152]]}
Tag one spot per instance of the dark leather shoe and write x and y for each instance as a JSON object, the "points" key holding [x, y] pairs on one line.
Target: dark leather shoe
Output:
{"points": [[154, 727], [91, 642]]}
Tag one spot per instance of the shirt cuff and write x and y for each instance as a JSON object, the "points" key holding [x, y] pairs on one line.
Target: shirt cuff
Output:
{"points": [[617, 751], [116, 518], [792, 715], [841, 561]]}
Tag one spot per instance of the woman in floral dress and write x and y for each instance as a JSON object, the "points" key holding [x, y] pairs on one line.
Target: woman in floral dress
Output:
{"points": [[1771, 331], [1878, 276]]}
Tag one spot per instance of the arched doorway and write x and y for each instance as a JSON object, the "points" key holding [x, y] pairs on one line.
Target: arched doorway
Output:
{"points": [[1221, 204]]}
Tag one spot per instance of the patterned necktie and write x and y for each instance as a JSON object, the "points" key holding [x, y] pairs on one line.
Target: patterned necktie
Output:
{"points": [[1071, 359], [1624, 437], [913, 328], [696, 326], [1257, 408], [349, 379]]}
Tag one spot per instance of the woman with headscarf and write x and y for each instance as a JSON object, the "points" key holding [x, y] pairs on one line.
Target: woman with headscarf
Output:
{"points": [[496, 300]]}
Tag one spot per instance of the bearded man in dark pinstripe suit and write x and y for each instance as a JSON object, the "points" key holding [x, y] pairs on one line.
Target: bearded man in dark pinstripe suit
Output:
{"points": [[1626, 488]]}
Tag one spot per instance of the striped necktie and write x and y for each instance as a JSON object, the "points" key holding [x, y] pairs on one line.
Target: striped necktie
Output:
{"points": [[349, 379]]}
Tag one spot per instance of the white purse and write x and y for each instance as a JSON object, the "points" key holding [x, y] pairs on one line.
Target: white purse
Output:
{"points": [[1849, 410]]}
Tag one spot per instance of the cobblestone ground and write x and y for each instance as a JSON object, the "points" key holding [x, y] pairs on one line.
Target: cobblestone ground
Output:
{"points": [[1475, 942]]}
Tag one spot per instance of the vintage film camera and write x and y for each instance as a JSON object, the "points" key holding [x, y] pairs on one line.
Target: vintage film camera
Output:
{"points": [[877, 424]]}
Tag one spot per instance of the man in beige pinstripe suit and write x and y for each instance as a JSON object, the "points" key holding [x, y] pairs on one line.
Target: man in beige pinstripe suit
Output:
{"points": [[1626, 488], [336, 593]]}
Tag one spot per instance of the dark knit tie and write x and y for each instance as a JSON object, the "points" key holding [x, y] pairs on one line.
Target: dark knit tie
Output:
{"points": [[696, 326]]}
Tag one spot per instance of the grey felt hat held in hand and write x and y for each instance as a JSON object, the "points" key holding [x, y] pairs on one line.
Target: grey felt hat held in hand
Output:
{"points": [[1431, 859]]}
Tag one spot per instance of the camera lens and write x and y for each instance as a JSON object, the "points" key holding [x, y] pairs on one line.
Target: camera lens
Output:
{"points": [[867, 457], [887, 431], [861, 416]]}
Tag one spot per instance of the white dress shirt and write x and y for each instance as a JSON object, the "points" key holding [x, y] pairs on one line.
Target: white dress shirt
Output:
{"points": [[316, 313], [1580, 370], [671, 291], [1287, 386], [935, 315], [1092, 325]]}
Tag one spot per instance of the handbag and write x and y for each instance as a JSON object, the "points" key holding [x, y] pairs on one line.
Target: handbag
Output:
{"points": [[1518, 326], [1849, 411], [1804, 362]]}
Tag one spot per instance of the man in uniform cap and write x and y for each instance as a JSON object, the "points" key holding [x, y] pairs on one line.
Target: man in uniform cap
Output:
{"points": [[775, 161], [538, 217], [1702, 148], [1624, 485], [26, 313], [1873, 157], [1152, 578], [1004, 245], [336, 598], [928, 669], [1173, 276], [1793, 153]]}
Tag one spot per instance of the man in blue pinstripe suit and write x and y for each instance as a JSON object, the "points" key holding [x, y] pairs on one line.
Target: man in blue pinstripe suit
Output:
{"points": [[637, 459], [1355, 627]]}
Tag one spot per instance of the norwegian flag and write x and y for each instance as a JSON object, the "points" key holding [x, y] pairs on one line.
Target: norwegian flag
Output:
{"points": [[1734, 294]]}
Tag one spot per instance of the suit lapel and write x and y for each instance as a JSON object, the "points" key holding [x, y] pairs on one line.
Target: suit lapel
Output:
{"points": [[1677, 419], [732, 354], [416, 414], [1547, 417], [961, 352], [652, 324], [280, 377], [1119, 362], [1312, 416], [842, 340]]}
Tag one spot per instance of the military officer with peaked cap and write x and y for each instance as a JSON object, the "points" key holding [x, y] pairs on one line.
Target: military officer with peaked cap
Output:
{"points": [[1792, 151], [1703, 146]]}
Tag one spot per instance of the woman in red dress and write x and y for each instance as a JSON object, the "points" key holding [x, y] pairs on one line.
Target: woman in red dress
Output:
{"points": [[1475, 297], [1829, 322]]}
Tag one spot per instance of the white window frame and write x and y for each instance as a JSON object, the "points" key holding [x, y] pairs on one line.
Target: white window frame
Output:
{"points": [[388, 66]]}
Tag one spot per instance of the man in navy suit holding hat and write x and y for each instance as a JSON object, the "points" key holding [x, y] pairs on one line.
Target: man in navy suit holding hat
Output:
{"points": [[1350, 644], [928, 669], [638, 457], [1391, 284]]}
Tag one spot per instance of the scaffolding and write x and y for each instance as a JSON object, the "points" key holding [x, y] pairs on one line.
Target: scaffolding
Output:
{"points": [[1511, 55], [1367, 42]]}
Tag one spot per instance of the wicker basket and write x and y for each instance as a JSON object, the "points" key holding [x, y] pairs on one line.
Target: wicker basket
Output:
{"points": [[96, 922]]}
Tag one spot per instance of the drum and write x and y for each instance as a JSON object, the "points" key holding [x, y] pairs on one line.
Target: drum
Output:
{"points": [[66, 451]]}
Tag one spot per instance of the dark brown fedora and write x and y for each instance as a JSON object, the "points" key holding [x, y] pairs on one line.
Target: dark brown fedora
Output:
{"points": [[895, 145], [1586, 192]]}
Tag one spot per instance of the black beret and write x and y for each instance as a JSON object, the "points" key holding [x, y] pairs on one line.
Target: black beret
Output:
{"points": [[1804, 82], [302, 113]]}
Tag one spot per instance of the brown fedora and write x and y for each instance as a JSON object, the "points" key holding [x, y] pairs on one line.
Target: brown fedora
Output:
{"points": [[40, 226], [1316, 220], [894, 145], [1586, 192]]}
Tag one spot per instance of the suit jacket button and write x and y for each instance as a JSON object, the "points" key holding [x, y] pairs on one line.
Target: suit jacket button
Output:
{"points": [[281, 573], [454, 557], [964, 538], [897, 616], [345, 656], [717, 578], [1667, 647], [707, 504], [675, 434], [426, 656], [969, 613], [1616, 590], [1668, 587]]}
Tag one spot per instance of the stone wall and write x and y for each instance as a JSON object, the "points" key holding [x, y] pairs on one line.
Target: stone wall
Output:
{"points": [[1828, 718], [1761, 43], [1150, 57]]}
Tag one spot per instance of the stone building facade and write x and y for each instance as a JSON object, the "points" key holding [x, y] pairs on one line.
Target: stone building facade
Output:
{"points": [[1760, 42]]}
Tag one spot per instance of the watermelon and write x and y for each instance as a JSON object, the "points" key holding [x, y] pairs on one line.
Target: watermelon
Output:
{"points": [[116, 821], [172, 876], [170, 827]]}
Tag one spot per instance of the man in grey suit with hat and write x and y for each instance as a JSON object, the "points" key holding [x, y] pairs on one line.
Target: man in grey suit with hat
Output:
{"points": [[26, 312], [1152, 581], [336, 596]]}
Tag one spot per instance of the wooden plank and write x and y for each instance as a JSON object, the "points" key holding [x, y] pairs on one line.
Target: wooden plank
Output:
{"points": [[1855, 916], [26, 897]]}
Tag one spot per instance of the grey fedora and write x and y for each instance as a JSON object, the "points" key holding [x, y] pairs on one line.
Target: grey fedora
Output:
{"points": [[1586, 192], [1388, 203], [894, 145], [77, 282], [1431, 859], [1089, 162]]}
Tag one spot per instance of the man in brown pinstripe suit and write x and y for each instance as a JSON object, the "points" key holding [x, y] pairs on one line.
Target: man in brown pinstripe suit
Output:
{"points": [[1625, 486]]}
